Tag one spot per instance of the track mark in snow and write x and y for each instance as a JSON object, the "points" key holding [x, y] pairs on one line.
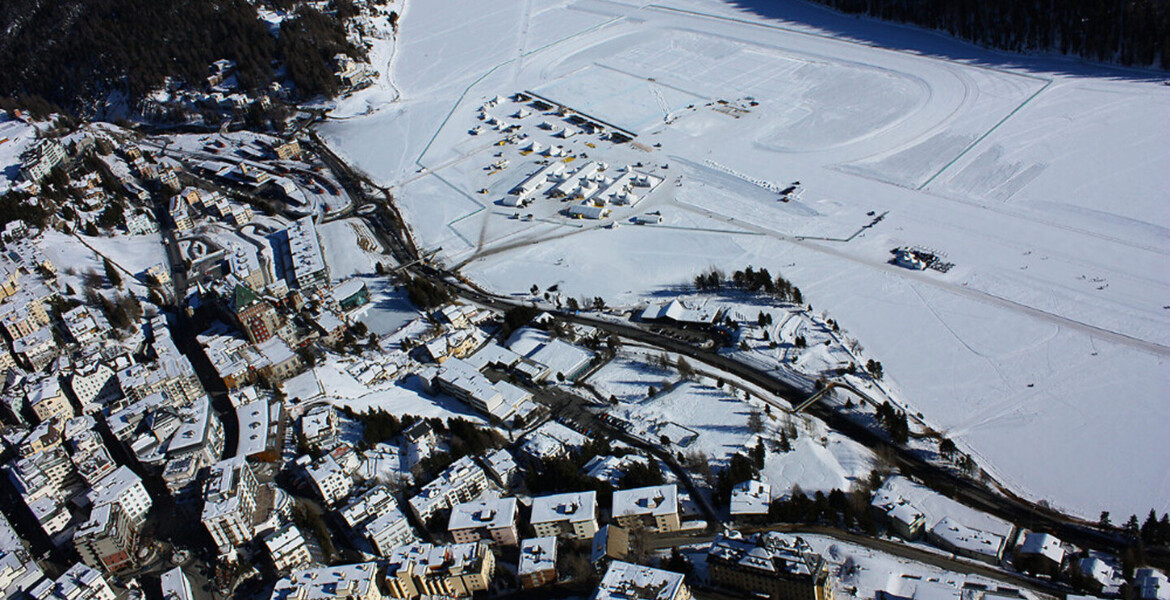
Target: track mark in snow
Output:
{"points": [[987, 133]]}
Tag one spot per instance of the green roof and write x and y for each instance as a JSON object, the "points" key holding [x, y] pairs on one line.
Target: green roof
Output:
{"points": [[245, 296]]}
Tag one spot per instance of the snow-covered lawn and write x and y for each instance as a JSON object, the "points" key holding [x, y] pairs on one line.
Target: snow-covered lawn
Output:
{"points": [[18, 136], [628, 377], [350, 248], [820, 461], [1040, 179], [696, 418], [74, 259]]}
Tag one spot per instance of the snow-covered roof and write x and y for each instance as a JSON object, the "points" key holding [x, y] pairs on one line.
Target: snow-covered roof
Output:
{"points": [[626, 581], [652, 500], [573, 507], [347, 288], [175, 585], [111, 487], [967, 538], [750, 497], [538, 554], [551, 439], [681, 311], [254, 422], [353, 581], [1043, 544], [1101, 571], [305, 248], [773, 552], [935, 506], [501, 464], [1151, 584], [610, 468], [492, 513]]}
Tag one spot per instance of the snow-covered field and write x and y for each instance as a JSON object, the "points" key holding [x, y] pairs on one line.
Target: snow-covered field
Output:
{"points": [[1042, 352], [74, 259], [15, 137], [350, 249], [821, 460]]}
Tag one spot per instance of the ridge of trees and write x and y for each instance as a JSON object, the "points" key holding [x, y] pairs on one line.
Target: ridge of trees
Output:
{"points": [[1132, 33], [73, 54]]}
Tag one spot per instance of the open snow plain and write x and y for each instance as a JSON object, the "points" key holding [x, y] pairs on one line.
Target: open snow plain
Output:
{"points": [[1043, 350]]}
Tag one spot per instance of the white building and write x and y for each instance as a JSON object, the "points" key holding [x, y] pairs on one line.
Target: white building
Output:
{"points": [[175, 585], [375, 516], [307, 262], [572, 515], [503, 467], [654, 507], [344, 582], [94, 385], [750, 498], [624, 581], [461, 482], [229, 503], [125, 488], [39, 159], [956, 537], [287, 548], [78, 582], [319, 426], [332, 482], [1151, 584], [459, 379]]}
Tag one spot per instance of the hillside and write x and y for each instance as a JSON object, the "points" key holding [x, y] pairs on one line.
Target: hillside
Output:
{"points": [[75, 53]]}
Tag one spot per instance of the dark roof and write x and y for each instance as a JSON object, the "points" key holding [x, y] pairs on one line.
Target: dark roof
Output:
{"points": [[244, 296]]}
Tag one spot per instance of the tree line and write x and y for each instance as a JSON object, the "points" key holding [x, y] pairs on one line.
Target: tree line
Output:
{"points": [[1132, 33], [751, 280]]}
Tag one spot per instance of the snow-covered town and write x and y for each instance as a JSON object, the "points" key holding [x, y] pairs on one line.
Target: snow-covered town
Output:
{"points": [[650, 302]]}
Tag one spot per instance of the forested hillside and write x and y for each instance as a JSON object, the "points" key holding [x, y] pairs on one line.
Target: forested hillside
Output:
{"points": [[1129, 32], [73, 53]]}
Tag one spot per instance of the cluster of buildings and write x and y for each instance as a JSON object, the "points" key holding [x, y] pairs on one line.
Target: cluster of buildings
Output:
{"points": [[594, 188], [593, 185]]}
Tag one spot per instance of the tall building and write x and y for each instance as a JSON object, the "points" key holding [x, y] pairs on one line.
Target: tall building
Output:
{"points": [[108, 540], [257, 316], [124, 488], [459, 570], [461, 482], [306, 260], [229, 503], [287, 548], [769, 565]]}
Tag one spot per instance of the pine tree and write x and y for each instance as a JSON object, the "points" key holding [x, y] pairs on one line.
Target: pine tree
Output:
{"points": [[112, 274]]}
